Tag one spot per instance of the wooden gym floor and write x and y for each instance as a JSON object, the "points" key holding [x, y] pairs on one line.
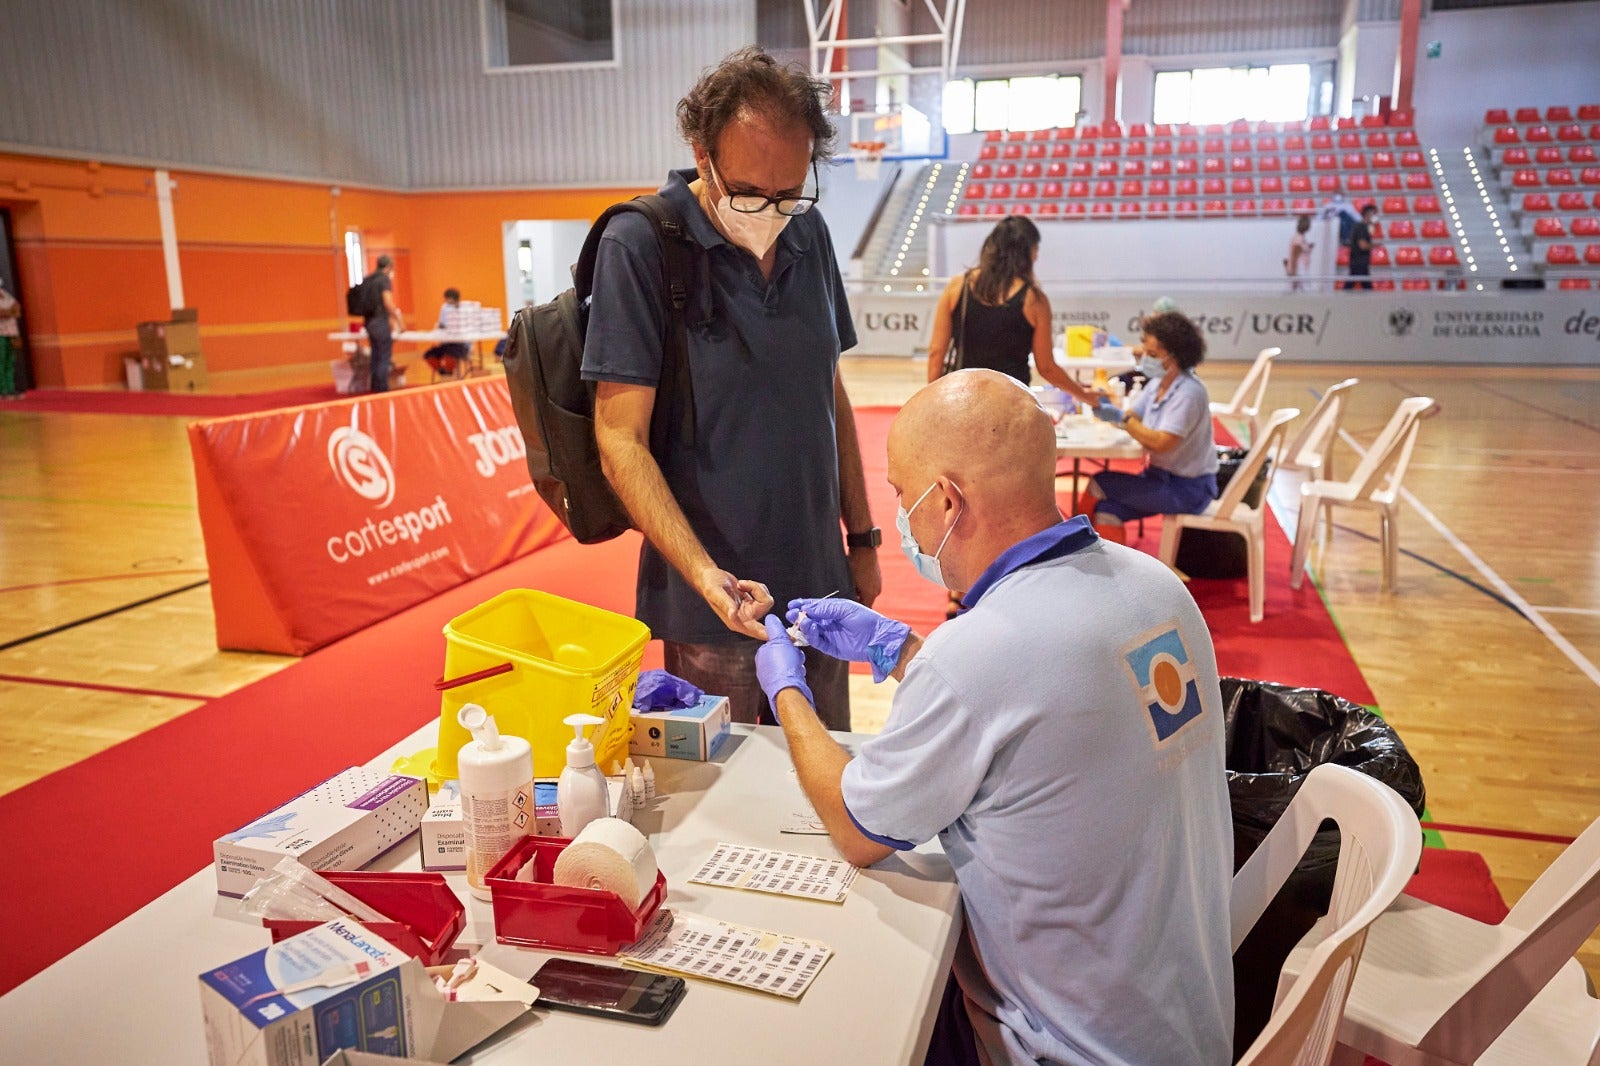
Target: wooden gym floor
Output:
{"points": [[1486, 658]]}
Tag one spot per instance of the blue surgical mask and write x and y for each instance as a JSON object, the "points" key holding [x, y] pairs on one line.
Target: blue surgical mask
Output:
{"points": [[927, 565], [1151, 367]]}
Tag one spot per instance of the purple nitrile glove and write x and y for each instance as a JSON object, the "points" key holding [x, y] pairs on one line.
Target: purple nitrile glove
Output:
{"points": [[660, 691], [1106, 411], [781, 665], [848, 630]]}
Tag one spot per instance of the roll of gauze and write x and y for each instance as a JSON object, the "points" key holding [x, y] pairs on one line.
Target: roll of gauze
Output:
{"points": [[610, 855]]}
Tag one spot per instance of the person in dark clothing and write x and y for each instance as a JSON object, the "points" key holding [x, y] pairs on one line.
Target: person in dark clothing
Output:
{"points": [[383, 322], [1361, 250], [1005, 318]]}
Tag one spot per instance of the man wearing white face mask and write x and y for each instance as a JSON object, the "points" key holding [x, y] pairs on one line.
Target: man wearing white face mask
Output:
{"points": [[1063, 738], [771, 499]]}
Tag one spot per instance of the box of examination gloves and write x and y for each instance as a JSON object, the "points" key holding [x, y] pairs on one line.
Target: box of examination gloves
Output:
{"points": [[342, 824], [444, 829], [683, 733], [339, 986]]}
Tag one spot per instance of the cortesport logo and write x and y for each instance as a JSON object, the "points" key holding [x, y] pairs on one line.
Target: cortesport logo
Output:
{"points": [[361, 464], [1400, 321]]}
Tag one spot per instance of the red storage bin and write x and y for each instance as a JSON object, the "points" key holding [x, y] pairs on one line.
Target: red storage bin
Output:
{"points": [[538, 914], [428, 916]]}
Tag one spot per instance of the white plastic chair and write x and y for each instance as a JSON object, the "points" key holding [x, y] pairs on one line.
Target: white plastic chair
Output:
{"points": [[1246, 401], [1379, 843], [1375, 485], [1438, 988], [1311, 450], [1231, 514]]}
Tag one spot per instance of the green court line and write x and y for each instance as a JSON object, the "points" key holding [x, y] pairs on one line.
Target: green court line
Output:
{"points": [[1534, 580], [102, 503]]}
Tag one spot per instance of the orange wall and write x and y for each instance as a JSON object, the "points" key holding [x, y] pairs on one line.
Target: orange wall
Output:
{"points": [[262, 260]]}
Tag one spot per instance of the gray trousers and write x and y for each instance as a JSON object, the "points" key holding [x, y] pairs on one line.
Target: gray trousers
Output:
{"points": [[730, 670]]}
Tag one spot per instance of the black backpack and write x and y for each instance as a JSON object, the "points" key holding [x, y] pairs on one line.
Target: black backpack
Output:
{"points": [[555, 406], [358, 298]]}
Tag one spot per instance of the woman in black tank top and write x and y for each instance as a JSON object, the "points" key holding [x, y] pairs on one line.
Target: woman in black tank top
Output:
{"points": [[998, 314]]}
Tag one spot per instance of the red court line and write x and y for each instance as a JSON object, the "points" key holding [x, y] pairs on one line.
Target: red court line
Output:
{"points": [[105, 688], [92, 580], [1509, 834]]}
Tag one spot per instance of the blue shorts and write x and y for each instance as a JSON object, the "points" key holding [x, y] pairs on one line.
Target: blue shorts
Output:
{"points": [[1155, 491]]}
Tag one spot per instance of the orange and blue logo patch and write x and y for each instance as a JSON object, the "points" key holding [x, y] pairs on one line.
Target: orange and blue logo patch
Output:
{"points": [[1164, 675]]}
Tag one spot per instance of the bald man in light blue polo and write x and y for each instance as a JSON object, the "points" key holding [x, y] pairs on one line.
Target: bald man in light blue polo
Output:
{"points": [[1062, 737]]}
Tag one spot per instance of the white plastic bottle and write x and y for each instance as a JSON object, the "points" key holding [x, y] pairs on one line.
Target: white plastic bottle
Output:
{"points": [[581, 794], [496, 776]]}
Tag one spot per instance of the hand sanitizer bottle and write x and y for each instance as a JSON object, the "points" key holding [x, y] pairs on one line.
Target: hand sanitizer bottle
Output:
{"points": [[581, 794], [496, 775]]}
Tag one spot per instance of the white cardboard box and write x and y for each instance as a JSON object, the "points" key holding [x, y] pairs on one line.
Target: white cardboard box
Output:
{"points": [[444, 831], [689, 733], [356, 991], [342, 824]]}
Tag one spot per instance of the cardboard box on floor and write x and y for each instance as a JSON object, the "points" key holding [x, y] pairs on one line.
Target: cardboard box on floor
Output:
{"points": [[169, 357]]}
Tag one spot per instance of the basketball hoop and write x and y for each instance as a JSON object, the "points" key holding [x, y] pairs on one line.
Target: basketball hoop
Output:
{"points": [[868, 156]]}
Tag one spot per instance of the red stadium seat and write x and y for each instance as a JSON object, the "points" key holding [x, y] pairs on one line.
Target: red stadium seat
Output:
{"points": [[1302, 204], [982, 171], [1320, 122], [1299, 183], [1296, 162], [1038, 135], [1383, 160], [1395, 205], [1214, 209], [1419, 179], [1558, 114], [1389, 182], [1413, 159], [1243, 186], [1241, 144], [1321, 142], [1105, 189], [1516, 157], [1056, 170], [1161, 129], [1160, 166], [1107, 168], [1537, 134], [1027, 190], [1536, 201], [1213, 164], [1053, 190], [1022, 209], [1402, 229], [1133, 187], [1214, 146], [1082, 169], [1294, 142], [1586, 227], [1380, 256], [1570, 132], [1549, 227], [1213, 187], [1377, 140], [1343, 257], [1188, 187], [1589, 113], [967, 209], [1185, 209], [1270, 164], [1061, 150], [988, 151], [993, 136], [1344, 123], [1272, 183], [1496, 116], [1136, 148], [1358, 183], [1011, 151], [1000, 190], [1349, 140], [1065, 133], [1084, 149], [1273, 207], [1328, 183], [1559, 176], [1101, 207], [1561, 255], [1576, 283], [1159, 187], [1157, 209], [1547, 154], [1111, 129], [1267, 142], [1049, 208], [1006, 170], [1526, 179], [1434, 228], [1571, 201], [1129, 207], [1443, 255], [1186, 166], [1239, 125], [1188, 146], [1325, 161], [1376, 229], [1426, 205], [1077, 188], [996, 209], [1161, 148], [1138, 130], [1133, 168], [1371, 122], [1507, 135], [976, 190], [1242, 164], [1406, 139], [1591, 254], [1073, 210], [1354, 161], [1528, 114], [1110, 147], [1038, 151], [1581, 153], [1383, 284], [1416, 285], [1408, 256], [1243, 207]]}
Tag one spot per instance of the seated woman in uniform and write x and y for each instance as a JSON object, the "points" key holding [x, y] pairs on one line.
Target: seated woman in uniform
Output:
{"points": [[1171, 419]]}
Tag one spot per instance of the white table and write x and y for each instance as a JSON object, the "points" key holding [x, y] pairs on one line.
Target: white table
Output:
{"points": [[1113, 360], [474, 340], [131, 995], [1082, 436]]}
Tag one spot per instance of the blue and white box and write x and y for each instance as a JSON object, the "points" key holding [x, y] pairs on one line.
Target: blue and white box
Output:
{"points": [[342, 824], [682, 733]]}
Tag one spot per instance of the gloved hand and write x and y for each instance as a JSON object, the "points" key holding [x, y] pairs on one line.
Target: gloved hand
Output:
{"points": [[845, 629], [780, 665], [1106, 411]]}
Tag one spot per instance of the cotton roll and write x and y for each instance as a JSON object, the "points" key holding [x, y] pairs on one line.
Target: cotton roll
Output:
{"points": [[612, 856]]}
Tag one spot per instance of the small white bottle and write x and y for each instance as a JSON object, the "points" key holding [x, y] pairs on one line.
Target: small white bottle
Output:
{"points": [[649, 783], [496, 777], [582, 794]]}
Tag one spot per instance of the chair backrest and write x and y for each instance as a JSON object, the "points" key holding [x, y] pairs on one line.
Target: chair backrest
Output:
{"points": [[1379, 845], [1555, 916], [1384, 466], [1254, 379], [1311, 446], [1265, 444]]}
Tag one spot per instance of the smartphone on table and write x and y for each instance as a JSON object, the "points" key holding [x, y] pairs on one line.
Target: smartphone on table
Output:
{"points": [[607, 991]]}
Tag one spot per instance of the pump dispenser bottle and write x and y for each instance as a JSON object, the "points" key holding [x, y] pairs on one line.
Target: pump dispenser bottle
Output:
{"points": [[496, 775], [581, 794]]}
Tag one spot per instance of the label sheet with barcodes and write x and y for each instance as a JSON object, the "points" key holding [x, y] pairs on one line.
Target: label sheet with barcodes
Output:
{"points": [[782, 872], [692, 945]]}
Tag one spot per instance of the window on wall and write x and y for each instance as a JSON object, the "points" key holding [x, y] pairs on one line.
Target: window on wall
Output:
{"points": [[1032, 103], [1279, 93], [549, 33]]}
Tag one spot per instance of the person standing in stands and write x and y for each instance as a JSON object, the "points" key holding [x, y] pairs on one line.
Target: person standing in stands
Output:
{"points": [[383, 321], [1361, 250], [754, 508], [997, 316], [10, 338], [1299, 252]]}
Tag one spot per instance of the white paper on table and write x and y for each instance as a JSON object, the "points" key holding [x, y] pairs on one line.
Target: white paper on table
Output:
{"points": [[696, 946], [784, 873]]}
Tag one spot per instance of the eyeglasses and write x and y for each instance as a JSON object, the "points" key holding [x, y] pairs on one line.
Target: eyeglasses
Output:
{"points": [[749, 203]]}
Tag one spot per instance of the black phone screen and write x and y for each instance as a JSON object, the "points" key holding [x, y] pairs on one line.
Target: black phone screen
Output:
{"points": [[631, 995]]}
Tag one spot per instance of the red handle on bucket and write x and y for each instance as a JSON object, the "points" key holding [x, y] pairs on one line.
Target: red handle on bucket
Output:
{"points": [[466, 679]]}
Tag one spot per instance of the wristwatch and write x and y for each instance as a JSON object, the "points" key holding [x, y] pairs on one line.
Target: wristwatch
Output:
{"points": [[869, 539]]}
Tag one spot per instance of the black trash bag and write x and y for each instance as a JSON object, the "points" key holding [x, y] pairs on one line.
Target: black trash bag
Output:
{"points": [[1276, 734], [1216, 553]]}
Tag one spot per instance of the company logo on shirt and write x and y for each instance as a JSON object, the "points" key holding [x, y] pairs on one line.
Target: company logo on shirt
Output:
{"points": [[1163, 674], [361, 464]]}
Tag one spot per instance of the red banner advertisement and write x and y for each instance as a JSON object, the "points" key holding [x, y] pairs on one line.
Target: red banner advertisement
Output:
{"points": [[320, 520]]}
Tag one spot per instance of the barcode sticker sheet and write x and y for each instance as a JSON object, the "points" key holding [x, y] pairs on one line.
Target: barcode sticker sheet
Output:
{"points": [[696, 946], [782, 872]]}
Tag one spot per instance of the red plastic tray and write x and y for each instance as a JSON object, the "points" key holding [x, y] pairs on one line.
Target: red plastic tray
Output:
{"points": [[427, 915], [538, 914]]}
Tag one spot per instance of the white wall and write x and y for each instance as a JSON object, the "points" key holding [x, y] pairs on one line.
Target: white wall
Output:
{"points": [[1529, 56]]}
